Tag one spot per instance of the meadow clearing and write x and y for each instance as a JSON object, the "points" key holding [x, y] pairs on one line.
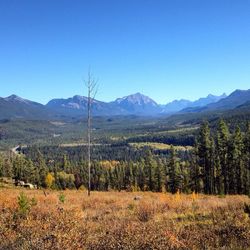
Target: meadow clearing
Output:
{"points": [[37, 219]]}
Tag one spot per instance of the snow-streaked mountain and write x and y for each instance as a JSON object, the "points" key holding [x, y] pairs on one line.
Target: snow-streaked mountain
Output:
{"points": [[15, 98], [136, 104], [133, 104], [136, 99], [77, 105]]}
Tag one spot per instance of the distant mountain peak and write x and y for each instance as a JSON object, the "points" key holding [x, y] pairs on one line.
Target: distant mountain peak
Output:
{"points": [[138, 104], [239, 92], [14, 106], [12, 96], [138, 99], [135, 104], [236, 98], [16, 99], [79, 98], [182, 104], [180, 100]]}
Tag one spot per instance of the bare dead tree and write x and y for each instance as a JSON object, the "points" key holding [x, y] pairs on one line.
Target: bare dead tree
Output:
{"points": [[92, 87]]}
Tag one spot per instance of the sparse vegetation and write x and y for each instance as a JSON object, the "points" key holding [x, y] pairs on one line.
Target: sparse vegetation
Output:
{"points": [[24, 205], [62, 197], [115, 220]]}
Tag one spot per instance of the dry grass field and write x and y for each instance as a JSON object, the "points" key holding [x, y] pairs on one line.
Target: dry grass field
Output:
{"points": [[161, 146], [122, 220]]}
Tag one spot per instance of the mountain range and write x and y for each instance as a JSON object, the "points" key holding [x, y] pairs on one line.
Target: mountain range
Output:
{"points": [[178, 105], [136, 104]]}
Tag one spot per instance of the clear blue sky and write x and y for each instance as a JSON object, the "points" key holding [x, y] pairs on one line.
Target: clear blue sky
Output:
{"points": [[166, 49]]}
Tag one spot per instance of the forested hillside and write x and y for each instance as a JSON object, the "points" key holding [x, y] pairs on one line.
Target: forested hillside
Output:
{"points": [[218, 163]]}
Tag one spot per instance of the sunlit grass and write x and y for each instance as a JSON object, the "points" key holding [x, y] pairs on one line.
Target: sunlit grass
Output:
{"points": [[116, 220], [160, 146]]}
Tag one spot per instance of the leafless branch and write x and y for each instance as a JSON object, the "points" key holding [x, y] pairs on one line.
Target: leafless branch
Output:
{"points": [[92, 86]]}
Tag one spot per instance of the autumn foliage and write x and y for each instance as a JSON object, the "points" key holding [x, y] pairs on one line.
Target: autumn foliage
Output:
{"points": [[122, 220]]}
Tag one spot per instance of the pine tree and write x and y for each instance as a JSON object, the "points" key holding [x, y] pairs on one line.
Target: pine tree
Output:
{"points": [[106, 180], [158, 176], [30, 171], [66, 165], [247, 160], [235, 163], [185, 177], [134, 182], [7, 169], [128, 176], [19, 168], [218, 178], [118, 177], [222, 147], [204, 149], [141, 180], [111, 179], [174, 178], [212, 157], [42, 169], [149, 170], [195, 170]]}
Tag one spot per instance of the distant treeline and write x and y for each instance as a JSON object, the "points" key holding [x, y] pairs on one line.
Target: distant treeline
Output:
{"points": [[102, 152], [176, 139], [218, 164]]}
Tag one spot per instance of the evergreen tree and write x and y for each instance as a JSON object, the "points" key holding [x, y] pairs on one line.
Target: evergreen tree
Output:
{"points": [[41, 168], [222, 147], [66, 165], [218, 178], [204, 150], [141, 180], [184, 177], [212, 163], [19, 170], [30, 175], [174, 178], [149, 171], [195, 170], [158, 176], [7, 169], [235, 163], [128, 175], [106, 182], [135, 174], [247, 160]]}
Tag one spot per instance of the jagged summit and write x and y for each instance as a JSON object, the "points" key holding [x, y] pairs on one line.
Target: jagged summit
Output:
{"points": [[135, 104], [16, 98], [137, 98]]}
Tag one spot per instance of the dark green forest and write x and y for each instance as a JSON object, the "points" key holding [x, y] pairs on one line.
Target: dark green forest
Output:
{"points": [[219, 163], [178, 129]]}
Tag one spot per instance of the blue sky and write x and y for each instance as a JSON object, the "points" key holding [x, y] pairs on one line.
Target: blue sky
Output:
{"points": [[166, 49]]}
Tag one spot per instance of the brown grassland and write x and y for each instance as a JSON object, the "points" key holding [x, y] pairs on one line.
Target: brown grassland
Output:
{"points": [[116, 220]]}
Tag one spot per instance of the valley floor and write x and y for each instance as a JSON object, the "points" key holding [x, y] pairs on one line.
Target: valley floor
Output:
{"points": [[122, 220]]}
